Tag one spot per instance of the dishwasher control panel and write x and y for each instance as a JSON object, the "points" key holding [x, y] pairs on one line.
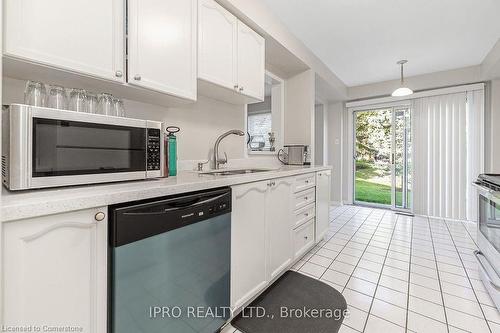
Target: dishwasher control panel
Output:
{"points": [[131, 222]]}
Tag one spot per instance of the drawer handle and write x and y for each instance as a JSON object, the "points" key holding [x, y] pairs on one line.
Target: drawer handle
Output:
{"points": [[305, 237], [306, 214], [306, 198], [307, 182]]}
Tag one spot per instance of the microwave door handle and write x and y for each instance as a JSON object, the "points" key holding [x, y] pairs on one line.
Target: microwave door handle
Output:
{"points": [[168, 210], [488, 270]]}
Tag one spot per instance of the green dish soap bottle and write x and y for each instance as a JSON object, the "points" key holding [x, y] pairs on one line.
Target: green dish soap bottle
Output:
{"points": [[172, 150]]}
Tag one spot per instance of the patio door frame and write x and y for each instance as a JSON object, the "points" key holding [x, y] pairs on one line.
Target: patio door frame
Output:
{"points": [[403, 105]]}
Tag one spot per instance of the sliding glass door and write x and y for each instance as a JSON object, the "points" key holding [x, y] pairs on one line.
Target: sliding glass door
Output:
{"points": [[383, 157]]}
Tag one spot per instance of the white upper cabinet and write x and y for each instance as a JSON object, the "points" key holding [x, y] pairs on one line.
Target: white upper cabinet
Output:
{"points": [[251, 62], [230, 56], [162, 46], [55, 270], [217, 44], [81, 36]]}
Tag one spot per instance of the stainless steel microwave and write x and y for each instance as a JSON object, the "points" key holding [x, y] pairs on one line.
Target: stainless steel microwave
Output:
{"points": [[43, 147]]}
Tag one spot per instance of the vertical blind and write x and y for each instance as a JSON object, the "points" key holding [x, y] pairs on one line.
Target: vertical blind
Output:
{"points": [[448, 141]]}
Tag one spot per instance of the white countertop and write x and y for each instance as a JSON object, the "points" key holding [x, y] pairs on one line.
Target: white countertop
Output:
{"points": [[26, 204]]}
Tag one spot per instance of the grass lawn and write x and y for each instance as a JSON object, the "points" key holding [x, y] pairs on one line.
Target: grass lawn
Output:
{"points": [[372, 192], [376, 193]]}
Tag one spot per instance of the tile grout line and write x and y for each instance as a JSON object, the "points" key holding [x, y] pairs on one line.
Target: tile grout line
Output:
{"points": [[355, 266], [314, 253], [409, 275], [439, 278], [333, 259], [380, 276], [346, 246], [468, 278]]}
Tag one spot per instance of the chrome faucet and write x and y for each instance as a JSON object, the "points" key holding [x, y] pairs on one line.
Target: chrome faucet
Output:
{"points": [[218, 161]]}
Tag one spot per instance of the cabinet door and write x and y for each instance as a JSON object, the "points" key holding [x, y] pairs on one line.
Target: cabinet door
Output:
{"points": [[162, 46], [248, 242], [217, 44], [278, 217], [55, 271], [251, 62], [323, 184], [83, 36]]}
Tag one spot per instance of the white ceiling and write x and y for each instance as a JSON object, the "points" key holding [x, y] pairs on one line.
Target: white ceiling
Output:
{"points": [[361, 40]]}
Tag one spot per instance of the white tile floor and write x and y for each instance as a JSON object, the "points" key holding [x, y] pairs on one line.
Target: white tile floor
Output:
{"points": [[402, 273]]}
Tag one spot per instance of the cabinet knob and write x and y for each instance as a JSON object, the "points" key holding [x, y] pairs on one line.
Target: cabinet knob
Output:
{"points": [[241, 89], [99, 216], [305, 237], [137, 77], [307, 214], [118, 74], [306, 198], [235, 86], [307, 182]]}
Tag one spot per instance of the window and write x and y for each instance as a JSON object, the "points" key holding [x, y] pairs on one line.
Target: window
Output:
{"points": [[264, 119]]}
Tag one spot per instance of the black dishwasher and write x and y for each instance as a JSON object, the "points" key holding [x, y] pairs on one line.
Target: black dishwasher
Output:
{"points": [[170, 264]]}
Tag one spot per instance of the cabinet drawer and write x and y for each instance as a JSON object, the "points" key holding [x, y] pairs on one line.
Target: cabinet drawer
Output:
{"points": [[304, 214], [304, 198], [303, 238], [304, 182]]}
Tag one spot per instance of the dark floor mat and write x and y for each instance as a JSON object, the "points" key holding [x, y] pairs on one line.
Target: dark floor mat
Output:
{"points": [[295, 303]]}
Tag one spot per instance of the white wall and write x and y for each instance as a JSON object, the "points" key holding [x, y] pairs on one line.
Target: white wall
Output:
{"points": [[200, 122], [319, 134], [335, 147], [299, 109], [256, 14], [420, 82]]}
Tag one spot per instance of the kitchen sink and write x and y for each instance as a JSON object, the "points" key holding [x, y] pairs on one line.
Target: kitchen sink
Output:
{"points": [[233, 172]]}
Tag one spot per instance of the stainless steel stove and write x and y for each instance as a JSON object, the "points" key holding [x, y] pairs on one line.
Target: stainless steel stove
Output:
{"points": [[488, 236]]}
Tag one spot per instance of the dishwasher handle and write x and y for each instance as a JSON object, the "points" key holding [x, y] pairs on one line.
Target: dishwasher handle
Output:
{"points": [[190, 204]]}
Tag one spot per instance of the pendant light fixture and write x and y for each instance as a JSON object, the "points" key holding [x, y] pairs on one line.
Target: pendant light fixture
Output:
{"points": [[402, 90]]}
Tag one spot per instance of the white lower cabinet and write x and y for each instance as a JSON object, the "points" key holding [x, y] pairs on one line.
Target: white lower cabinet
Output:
{"points": [[54, 270], [323, 187], [278, 216], [303, 238], [261, 240], [248, 241]]}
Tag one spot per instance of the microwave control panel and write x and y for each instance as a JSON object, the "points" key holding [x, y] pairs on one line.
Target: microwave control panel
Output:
{"points": [[153, 149]]}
